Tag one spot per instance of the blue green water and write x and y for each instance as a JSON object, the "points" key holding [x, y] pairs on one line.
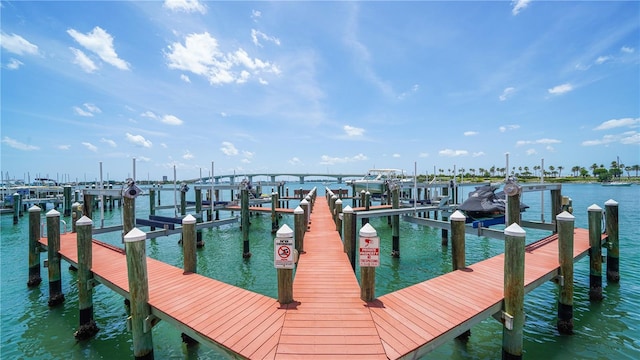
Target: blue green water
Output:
{"points": [[603, 330]]}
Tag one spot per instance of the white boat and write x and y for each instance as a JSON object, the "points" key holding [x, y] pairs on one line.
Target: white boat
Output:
{"points": [[617, 183], [375, 180]]}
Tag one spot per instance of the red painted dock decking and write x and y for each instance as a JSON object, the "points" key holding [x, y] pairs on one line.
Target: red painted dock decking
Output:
{"points": [[327, 319]]}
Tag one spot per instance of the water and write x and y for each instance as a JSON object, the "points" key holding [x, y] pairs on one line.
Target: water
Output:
{"points": [[609, 329]]}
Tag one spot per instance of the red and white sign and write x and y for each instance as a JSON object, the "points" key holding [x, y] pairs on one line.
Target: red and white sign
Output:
{"points": [[369, 251], [283, 253]]}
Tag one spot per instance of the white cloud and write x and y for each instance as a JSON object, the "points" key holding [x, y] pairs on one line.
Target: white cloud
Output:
{"points": [[149, 114], [80, 111], [101, 43], [255, 15], [110, 142], [353, 131], [171, 120], [453, 153], [188, 6], [14, 64], [395, 155], [478, 154], [90, 146], [560, 89], [294, 161], [228, 149], [257, 35], [202, 56], [470, 133], [18, 145], [138, 140], [16, 44], [187, 155], [505, 128], [414, 89], [626, 49], [531, 152], [88, 111], [423, 155], [82, 60], [614, 123], [247, 154], [602, 59], [328, 160], [539, 141], [519, 5], [626, 138], [507, 93], [64, 147], [185, 78]]}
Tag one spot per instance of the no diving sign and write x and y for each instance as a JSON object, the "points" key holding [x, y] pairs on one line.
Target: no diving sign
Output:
{"points": [[369, 251], [283, 253]]}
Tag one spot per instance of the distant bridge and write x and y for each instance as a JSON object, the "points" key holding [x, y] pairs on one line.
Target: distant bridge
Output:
{"points": [[273, 177]]}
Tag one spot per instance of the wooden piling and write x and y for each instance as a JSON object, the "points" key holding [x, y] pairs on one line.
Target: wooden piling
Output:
{"points": [[513, 206], [513, 312], [349, 234], [338, 220], [565, 222], [274, 214], [395, 223], [284, 240], [56, 296], [556, 205], [458, 259], [367, 206], [367, 271], [189, 244], [595, 252], [16, 208], [66, 192], [140, 317], [304, 204], [299, 228], [198, 217], [152, 204], [613, 246], [128, 214], [88, 327], [244, 214], [76, 214], [34, 247], [87, 205]]}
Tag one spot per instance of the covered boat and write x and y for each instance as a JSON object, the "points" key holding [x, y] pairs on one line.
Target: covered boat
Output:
{"points": [[485, 202]]}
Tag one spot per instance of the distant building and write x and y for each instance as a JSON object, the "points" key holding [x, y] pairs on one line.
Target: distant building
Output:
{"points": [[164, 178]]}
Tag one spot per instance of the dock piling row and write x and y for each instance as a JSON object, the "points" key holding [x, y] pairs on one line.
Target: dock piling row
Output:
{"points": [[565, 223]]}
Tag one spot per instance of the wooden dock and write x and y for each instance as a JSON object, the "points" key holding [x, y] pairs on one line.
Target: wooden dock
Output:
{"points": [[327, 318]]}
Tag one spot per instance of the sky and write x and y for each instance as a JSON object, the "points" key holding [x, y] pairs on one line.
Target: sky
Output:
{"points": [[315, 87]]}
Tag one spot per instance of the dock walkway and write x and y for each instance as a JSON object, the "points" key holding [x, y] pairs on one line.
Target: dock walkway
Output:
{"points": [[327, 318]]}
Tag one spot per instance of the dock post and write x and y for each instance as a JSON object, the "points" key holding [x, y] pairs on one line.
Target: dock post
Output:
{"points": [[244, 214], [458, 259], [362, 199], [189, 244], [367, 206], [198, 217], [332, 206], [349, 235], [34, 247], [395, 222], [66, 191], [299, 228], [304, 204], [183, 199], [556, 205], [16, 208], [369, 259], [565, 223], [512, 190], [274, 214], [56, 296], [513, 312], [87, 205], [76, 214], [284, 259], [152, 204], [613, 250], [135, 249], [595, 252], [88, 326], [338, 217]]}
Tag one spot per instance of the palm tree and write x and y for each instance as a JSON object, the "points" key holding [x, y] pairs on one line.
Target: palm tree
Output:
{"points": [[575, 170], [593, 168], [552, 169], [636, 168], [560, 168]]}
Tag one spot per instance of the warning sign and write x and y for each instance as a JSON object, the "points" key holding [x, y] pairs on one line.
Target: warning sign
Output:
{"points": [[283, 253], [369, 251]]}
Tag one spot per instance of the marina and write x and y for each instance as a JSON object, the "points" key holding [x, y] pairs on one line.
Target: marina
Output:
{"points": [[491, 309]]}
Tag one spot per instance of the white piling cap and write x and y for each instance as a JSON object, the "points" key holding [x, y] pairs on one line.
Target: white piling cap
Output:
{"points": [[298, 210], [347, 209], [514, 230], [338, 201], [53, 213], [611, 202], [84, 221], [134, 235], [34, 208], [188, 220], [284, 232], [594, 207], [458, 216], [565, 216], [368, 231], [304, 202]]}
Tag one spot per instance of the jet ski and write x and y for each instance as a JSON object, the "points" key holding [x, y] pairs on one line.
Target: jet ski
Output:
{"points": [[484, 202]]}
